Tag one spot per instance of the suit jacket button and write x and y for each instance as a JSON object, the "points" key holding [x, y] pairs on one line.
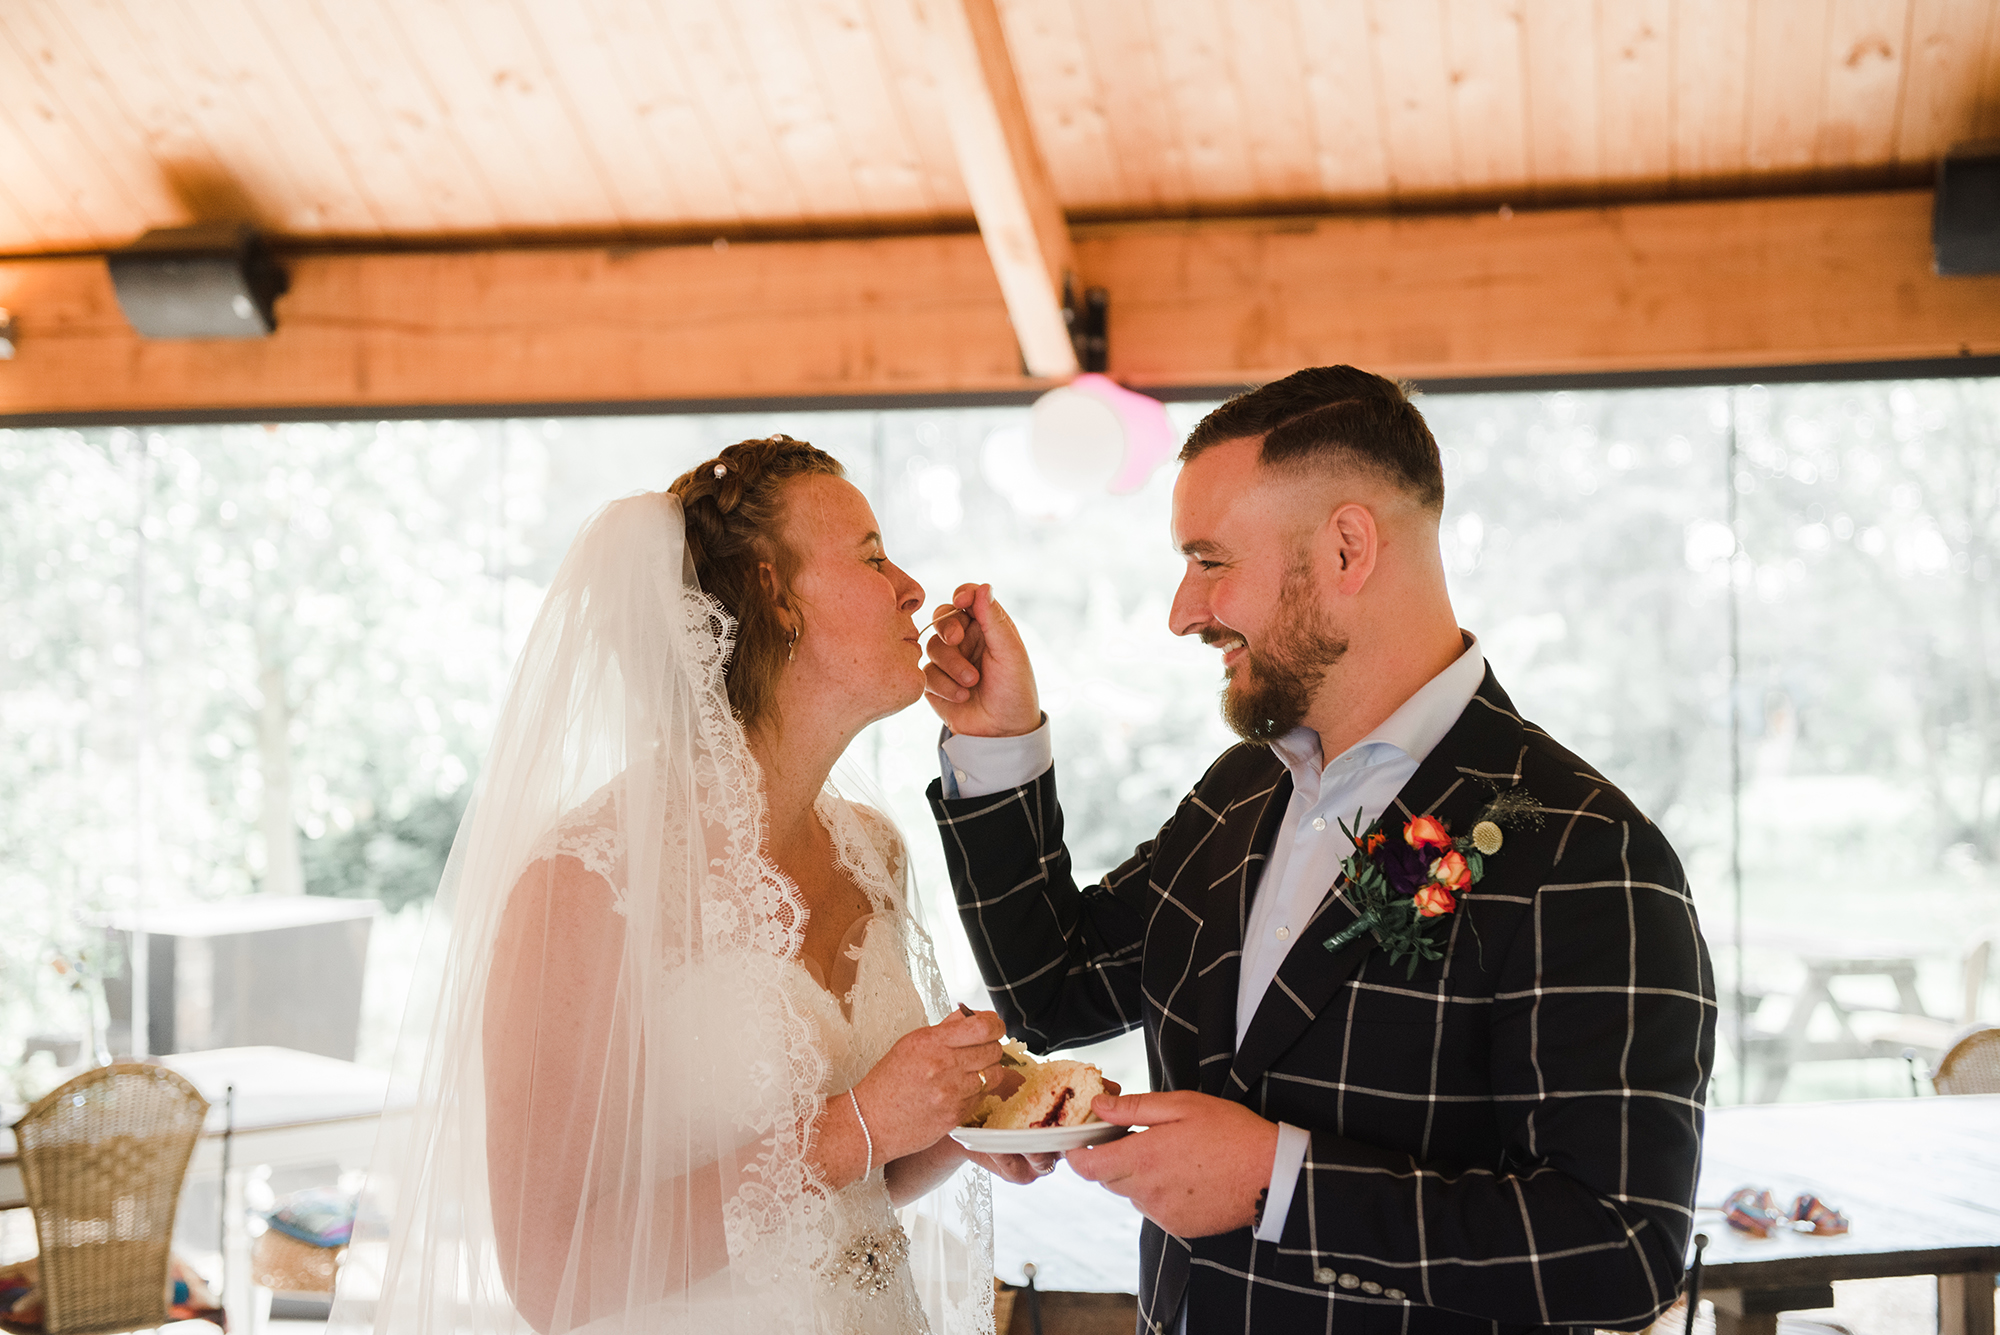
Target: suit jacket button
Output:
{"points": [[1323, 1276], [1349, 1281], [1395, 1295], [1370, 1287]]}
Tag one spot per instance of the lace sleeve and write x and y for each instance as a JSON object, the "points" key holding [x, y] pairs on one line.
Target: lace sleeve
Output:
{"points": [[589, 833], [885, 842]]}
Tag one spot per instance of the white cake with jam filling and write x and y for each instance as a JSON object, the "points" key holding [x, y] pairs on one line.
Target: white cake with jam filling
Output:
{"points": [[1051, 1094]]}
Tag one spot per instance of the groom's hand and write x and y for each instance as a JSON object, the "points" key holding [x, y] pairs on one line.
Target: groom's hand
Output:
{"points": [[979, 679], [1198, 1167]]}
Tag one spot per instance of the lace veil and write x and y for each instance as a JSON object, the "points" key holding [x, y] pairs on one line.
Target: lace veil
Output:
{"points": [[609, 1081]]}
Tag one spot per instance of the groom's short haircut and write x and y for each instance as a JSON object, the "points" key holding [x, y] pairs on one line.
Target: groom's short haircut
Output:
{"points": [[1332, 416]]}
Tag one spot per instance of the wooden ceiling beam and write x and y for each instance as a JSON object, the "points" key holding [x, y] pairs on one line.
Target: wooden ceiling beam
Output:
{"points": [[1020, 220], [1791, 281]]}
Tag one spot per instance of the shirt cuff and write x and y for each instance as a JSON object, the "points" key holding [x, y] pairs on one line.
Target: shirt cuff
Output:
{"points": [[1285, 1165], [977, 766]]}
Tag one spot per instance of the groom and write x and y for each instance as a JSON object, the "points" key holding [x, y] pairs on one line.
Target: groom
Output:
{"points": [[1502, 1137]]}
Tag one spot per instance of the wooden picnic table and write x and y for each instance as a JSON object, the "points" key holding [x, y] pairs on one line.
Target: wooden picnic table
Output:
{"points": [[1919, 1178]]}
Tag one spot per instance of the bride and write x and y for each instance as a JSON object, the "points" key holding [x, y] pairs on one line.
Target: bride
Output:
{"points": [[690, 1065]]}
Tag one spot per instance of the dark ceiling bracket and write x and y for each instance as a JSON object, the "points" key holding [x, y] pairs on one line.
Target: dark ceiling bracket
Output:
{"points": [[1089, 322]]}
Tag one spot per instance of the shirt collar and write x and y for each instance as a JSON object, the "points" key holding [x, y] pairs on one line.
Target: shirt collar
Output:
{"points": [[1417, 725]]}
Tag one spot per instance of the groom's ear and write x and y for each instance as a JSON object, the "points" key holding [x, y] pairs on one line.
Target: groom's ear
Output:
{"points": [[1348, 544]]}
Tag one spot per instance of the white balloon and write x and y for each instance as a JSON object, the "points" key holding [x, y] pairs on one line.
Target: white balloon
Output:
{"points": [[1078, 441]]}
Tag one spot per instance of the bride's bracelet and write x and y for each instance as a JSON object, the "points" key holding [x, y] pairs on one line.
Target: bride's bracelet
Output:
{"points": [[866, 1139]]}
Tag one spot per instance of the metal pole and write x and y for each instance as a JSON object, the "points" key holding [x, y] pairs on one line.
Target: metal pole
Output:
{"points": [[1736, 757], [139, 1010], [222, 1209]]}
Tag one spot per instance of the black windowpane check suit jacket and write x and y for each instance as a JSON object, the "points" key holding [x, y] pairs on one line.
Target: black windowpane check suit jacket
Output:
{"points": [[1506, 1141]]}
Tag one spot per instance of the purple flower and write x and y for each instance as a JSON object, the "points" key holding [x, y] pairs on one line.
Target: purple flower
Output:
{"points": [[1406, 868]]}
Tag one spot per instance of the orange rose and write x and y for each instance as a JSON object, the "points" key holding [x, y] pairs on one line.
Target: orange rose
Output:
{"points": [[1426, 832], [1434, 901], [1371, 844], [1451, 871]]}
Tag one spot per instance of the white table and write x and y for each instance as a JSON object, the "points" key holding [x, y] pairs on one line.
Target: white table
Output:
{"points": [[293, 1109], [1919, 1178]]}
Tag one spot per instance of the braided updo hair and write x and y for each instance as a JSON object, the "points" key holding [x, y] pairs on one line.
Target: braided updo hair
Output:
{"points": [[735, 509]]}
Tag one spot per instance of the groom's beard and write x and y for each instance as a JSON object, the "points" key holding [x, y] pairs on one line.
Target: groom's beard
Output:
{"points": [[1269, 692]]}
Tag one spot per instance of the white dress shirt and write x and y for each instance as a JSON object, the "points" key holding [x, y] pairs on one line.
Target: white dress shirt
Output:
{"points": [[1306, 852]]}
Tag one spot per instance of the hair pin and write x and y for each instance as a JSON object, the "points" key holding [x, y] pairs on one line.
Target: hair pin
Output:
{"points": [[720, 469]]}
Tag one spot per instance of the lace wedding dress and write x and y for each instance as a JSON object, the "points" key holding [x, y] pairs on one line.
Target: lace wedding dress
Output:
{"points": [[615, 1058], [858, 1014]]}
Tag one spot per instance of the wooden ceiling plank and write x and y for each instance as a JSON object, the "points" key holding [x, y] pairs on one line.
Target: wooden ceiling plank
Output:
{"points": [[1414, 69], [317, 114], [73, 209], [610, 116], [1020, 221], [1343, 99], [239, 120], [1636, 92], [1788, 62], [313, 61], [852, 71], [1711, 106], [252, 113], [108, 141], [462, 82], [670, 117], [1565, 114], [414, 125], [1269, 76], [718, 70], [1987, 123], [843, 52], [1194, 51], [905, 51], [797, 108], [1948, 59], [18, 236], [1864, 79], [186, 164], [45, 219], [541, 109], [1064, 92], [1489, 106], [1119, 37]]}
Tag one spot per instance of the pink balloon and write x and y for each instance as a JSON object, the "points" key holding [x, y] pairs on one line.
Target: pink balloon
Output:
{"points": [[1149, 436]]}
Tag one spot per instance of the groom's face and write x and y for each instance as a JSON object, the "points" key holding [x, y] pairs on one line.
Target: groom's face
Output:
{"points": [[1248, 588]]}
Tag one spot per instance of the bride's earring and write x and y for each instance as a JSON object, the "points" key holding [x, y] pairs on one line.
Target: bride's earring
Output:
{"points": [[792, 645]]}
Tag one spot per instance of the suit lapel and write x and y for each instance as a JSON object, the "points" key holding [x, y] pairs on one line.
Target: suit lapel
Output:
{"points": [[1245, 840], [1482, 748]]}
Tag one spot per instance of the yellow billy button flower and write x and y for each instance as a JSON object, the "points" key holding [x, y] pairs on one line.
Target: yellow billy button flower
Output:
{"points": [[1486, 838]]}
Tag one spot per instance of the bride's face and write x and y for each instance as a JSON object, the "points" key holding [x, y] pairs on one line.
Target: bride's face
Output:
{"points": [[859, 641]]}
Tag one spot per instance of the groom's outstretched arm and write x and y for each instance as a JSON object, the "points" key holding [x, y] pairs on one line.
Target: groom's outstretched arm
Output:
{"points": [[1061, 962]]}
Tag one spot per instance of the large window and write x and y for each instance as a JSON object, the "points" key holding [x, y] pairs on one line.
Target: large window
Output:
{"points": [[251, 659]]}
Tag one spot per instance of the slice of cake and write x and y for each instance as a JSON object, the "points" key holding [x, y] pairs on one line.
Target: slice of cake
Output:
{"points": [[1052, 1093]]}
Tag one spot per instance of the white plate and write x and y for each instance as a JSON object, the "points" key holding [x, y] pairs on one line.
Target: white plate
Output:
{"points": [[1043, 1140]]}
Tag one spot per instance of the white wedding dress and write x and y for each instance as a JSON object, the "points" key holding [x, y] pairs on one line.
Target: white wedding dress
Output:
{"points": [[614, 1058], [858, 1014]]}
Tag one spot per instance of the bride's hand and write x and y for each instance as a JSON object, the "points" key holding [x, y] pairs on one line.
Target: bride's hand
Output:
{"points": [[929, 1082], [1019, 1169]]}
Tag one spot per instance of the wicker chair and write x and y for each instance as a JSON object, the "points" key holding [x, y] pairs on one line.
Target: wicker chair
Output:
{"points": [[102, 1159], [1972, 1064]]}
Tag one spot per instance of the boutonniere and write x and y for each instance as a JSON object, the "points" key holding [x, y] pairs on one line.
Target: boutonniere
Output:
{"points": [[1405, 883]]}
